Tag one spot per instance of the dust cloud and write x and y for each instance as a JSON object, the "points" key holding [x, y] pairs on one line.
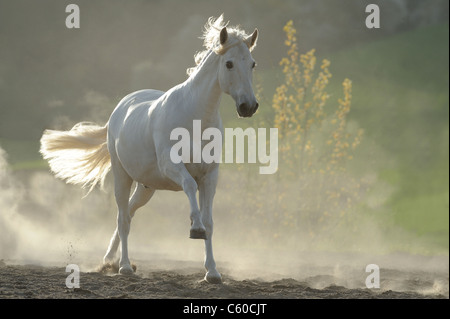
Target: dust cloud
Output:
{"points": [[46, 222]]}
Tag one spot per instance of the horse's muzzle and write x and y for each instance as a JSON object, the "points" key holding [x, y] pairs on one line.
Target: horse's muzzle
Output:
{"points": [[247, 110]]}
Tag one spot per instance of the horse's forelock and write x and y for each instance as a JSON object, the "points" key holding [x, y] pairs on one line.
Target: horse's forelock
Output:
{"points": [[211, 39], [211, 35]]}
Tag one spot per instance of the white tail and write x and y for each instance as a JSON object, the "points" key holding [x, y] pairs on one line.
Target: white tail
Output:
{"points": [[79, 156]]}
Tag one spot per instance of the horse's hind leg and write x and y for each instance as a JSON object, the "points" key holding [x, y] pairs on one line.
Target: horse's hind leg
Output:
{"points": [[139, 198], [122, 187], [112, 248]]}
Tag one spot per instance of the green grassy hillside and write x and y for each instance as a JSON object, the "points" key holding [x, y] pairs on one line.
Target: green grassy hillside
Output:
{"points": [[401, 99]]}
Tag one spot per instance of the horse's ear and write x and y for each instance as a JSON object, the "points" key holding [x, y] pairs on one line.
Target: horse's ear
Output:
{"points": [[223, 35], [251, 40]]}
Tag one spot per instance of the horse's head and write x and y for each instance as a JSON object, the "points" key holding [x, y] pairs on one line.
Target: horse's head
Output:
{"points": [[236, 68]]}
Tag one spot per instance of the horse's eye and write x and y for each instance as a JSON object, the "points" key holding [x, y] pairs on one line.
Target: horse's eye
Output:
{"points": [[229, 65]]}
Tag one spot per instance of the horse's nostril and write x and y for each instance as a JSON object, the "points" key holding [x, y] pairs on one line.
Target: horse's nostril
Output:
{"points": [[243, 106], [256, 106]]}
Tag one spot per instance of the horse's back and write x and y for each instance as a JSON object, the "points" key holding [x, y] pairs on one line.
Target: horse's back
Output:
{"points": [[137, 102], [140, 96]]}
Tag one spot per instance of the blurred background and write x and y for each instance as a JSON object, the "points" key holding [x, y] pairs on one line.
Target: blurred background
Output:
{"points": [[54, 77]]}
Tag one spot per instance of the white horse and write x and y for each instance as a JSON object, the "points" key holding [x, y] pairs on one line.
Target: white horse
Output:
{"points": [[136, 143]]}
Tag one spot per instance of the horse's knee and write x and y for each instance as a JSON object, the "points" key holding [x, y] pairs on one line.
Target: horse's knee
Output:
{"points": [[189, 185]]}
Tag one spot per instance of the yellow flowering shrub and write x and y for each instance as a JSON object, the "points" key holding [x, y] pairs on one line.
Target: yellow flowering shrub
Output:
{"points": [[300, 105], [315, 145]]}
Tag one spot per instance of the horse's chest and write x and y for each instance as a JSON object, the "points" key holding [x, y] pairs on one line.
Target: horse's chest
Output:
{"points": [[198, 170]]}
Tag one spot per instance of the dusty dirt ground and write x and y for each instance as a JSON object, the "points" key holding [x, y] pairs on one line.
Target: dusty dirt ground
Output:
{"points": [[181, 280]]}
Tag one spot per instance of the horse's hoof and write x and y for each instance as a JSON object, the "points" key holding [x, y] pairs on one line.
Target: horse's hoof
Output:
{"points": [[213, 278], [197, 234], [126, 270]]}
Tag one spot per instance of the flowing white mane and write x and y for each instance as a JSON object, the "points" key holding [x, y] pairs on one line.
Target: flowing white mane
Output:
{"points": [[211, 40]]}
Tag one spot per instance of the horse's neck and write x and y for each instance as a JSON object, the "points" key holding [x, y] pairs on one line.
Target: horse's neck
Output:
{"points": [[204, 90]]}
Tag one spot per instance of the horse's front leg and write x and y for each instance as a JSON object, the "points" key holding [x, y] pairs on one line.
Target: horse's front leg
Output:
{"points": [[207, 190], [180, 175]]}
